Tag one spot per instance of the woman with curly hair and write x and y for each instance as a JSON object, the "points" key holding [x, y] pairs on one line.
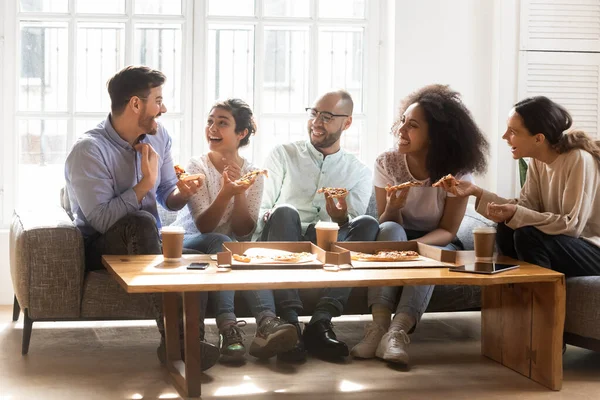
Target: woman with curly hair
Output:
{"points": [[556, 221], [436, 136]]}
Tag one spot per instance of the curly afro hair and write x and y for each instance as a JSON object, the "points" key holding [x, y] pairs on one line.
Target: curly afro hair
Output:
{"points": [[457, 145]]}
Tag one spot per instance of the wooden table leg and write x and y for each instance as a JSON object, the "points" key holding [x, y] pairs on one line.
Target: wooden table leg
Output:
{"points": [[185, 375], [522, 328]]}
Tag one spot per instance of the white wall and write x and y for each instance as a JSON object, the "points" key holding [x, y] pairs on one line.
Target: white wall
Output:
{"points": [[470, 44], [458, 43]]}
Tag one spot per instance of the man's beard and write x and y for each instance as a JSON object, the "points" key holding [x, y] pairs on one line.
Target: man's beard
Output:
{"points": [[146, 124], [327, 141]]}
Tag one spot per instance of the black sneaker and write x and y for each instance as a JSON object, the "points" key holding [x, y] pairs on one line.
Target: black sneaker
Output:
{"points": [[298, 352], [209, 354], [231, 342], [273, 336]]}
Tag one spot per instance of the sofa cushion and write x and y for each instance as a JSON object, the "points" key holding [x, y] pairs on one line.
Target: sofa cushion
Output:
{"points": [[46, 262], [103, 297], [583, 306]]}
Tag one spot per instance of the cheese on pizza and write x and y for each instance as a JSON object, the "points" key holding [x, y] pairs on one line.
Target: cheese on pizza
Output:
{"points": [[385, 256], [184, 176], [448, 178], [179, 171], [334, 192], [247, 178], [257, 255], [403, 185]]}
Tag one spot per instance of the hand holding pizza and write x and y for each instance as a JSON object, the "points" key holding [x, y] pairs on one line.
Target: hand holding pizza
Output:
{"points": [[396, 198], [188, 188], [501, 212], [461, 188], [233, 187], [337, 211]]}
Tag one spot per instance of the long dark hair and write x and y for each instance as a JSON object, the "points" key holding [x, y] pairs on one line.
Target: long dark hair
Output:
{"points": [[243, 116], [457, 145], [542, 115]]}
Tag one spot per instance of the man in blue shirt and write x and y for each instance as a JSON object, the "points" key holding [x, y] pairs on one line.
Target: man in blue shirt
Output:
{"points": [[117, 172], [291, 207]]}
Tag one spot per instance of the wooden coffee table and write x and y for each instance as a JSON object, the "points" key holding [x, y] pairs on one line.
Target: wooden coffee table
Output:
{"points": [[523, 310]]}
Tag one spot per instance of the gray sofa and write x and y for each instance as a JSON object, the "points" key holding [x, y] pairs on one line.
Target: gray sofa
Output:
{"points": [[47, 270]]}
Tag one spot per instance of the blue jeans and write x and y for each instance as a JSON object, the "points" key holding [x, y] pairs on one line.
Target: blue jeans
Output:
{"points": [[261, 302], [414, 299], [284, 225], [207, 243]]}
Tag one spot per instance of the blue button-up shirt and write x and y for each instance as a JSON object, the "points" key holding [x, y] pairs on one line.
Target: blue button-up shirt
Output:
{"points": [[298, 169], [101, 171]]}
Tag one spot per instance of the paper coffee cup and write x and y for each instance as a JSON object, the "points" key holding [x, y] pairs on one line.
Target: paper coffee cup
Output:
{"points": [[172, 243], [327, 233], [484, 239]]}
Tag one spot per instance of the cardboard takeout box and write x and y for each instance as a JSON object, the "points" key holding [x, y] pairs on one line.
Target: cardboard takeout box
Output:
{"points": [[429, 256], [225, 258]]}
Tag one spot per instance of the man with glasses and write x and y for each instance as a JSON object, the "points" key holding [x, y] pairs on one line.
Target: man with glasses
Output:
{"points": [[291, 207], [116, 174]]}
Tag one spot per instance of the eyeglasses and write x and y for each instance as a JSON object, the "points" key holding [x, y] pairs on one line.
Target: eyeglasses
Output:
{"points": [[326, 116]]}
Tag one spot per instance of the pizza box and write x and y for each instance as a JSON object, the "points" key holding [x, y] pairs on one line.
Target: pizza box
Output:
{"points": [[429, 256], [225, 258]]}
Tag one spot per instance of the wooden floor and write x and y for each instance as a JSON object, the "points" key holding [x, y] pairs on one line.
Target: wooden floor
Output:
{"points": [[117, 360]]}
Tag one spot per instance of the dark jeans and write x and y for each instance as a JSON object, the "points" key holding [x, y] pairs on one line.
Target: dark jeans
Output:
{"points": [[136, 233], [566, 254], [284, 225]]}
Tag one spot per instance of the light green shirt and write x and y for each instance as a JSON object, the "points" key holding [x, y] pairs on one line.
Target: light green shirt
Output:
{"points": [[298, 169]]}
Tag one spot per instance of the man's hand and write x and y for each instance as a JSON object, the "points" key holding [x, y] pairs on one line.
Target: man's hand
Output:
{"points": [[188, 188], [149, 163], [501, 212], [396, 199], [338, 212]]}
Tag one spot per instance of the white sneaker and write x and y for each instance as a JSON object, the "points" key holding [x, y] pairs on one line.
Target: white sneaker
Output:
{"points": [[367, 346], [393, 347]]}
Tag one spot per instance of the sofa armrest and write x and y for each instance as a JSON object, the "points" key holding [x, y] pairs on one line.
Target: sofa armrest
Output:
{"points": [[47, 263]]}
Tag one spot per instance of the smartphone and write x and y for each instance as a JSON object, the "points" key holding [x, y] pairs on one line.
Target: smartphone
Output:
{"points": [[198, 265], [484, 268]]}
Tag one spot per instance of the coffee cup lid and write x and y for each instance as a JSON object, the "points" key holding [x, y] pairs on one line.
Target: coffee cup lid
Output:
{"points": [[172, 229], [327, 225], [484, 229]]}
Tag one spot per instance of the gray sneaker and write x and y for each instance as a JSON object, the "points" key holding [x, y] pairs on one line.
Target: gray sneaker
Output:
{"points": [[393, 347], [209, 354], [273, 336]]}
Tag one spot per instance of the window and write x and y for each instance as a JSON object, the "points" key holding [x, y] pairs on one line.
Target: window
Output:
{"points": [[65, 61], [277, 55]]}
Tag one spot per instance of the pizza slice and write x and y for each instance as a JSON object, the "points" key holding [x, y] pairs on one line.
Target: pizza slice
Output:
{"points": [[184, 176], [249, 176], [385, 256], [257, 255], [448, 178], [334, 193], [404, 185]]}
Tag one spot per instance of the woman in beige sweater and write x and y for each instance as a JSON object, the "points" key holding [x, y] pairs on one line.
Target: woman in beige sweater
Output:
{"points": [[556, 221]]}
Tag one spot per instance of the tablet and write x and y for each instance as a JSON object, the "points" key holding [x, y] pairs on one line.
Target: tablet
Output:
{"points": [[484, 268]]}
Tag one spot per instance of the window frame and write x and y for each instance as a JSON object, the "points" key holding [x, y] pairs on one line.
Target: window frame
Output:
{"points": [[195, 23], [371, 102]]}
